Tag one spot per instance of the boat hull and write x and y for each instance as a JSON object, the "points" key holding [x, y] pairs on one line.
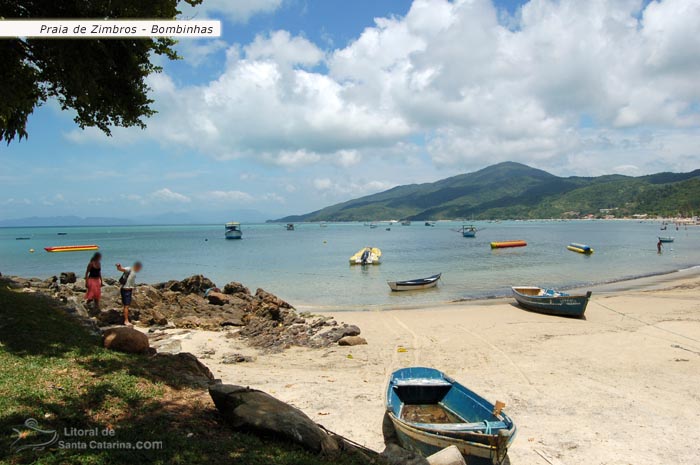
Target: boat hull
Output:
{"points": [[416, 284], [234, 235], [565, 305], [71, 248], [468, 233], [430, 411], [666, 240]]}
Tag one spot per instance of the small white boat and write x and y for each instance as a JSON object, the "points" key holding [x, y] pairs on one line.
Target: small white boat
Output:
{"points": [[233, 230], [415, 284], [406, 223], [666, 239], [367, 256]]}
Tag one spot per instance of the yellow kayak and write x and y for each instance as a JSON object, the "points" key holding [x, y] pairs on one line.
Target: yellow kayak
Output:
{"points": [[366, 256]]}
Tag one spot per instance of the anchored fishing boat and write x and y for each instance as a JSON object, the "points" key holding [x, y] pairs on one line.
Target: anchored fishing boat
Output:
{"points": [[580, 248], [666, 239], [507, 244], [430, 223], [415, 284], [550, 301], [431, 411], [406, 223], [366, 256], [71, 248], [233, 230], [290, 227], [469, 231]]}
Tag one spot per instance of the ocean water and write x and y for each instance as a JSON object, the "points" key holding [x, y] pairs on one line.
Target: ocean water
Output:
{"points": [[309, 266]]}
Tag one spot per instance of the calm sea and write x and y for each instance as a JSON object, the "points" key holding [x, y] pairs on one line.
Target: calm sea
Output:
{"points": [[309, 266]]}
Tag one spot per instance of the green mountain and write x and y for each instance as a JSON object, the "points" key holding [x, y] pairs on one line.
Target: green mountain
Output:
{"points": [[513, 190]]}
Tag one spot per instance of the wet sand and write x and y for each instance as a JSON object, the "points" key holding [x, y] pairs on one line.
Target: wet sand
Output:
{"points": [[620, 387]]}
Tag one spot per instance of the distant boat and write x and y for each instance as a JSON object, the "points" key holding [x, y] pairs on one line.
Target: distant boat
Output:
{"points": [[290, 227], [550, 301], [663, 228], [367, 256], [469, 231], [71, 248], [405, 223], [22, 238], [431, 411], [388, 229], [666, 238], [372, 226], [580, 248], [233, 230], [323, 225], [62, 234], [415, 284], [430, 223]]}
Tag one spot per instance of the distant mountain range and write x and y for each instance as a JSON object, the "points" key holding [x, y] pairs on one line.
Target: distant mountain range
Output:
{"points": [[204, 217], [513, 190]]}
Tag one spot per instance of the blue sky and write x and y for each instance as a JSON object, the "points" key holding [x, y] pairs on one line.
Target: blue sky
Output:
{"points": [[304, 103]]}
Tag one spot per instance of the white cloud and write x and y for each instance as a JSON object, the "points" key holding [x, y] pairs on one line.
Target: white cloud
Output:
{"points": [[227, 196], [545, 87], [166, 195]]}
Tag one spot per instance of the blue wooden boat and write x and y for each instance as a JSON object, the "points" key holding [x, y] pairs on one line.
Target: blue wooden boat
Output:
{"points": [[666, 239], [431, 411], [469, 231], [550, 301]]}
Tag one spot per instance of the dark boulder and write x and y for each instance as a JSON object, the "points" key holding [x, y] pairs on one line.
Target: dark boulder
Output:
{"points": [[126, 339], [67, 277], [236, 288]]}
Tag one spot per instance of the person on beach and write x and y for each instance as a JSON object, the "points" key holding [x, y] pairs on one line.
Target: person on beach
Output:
{"points": [[93, 280], [128, 283], [659, 245]]}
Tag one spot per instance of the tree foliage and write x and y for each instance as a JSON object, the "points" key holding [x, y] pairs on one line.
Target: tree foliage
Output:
{"points": [[102, 80]]}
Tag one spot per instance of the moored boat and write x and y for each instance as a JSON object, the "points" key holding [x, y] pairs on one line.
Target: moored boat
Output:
{"points": [[469, 231], [415, 284], [666, 239], [507, 244], [290, 227], [406, 223], [580, 248], [431, 411], [233, 230], [550, 301], [71, 248], [430, 223], [366, 256]]}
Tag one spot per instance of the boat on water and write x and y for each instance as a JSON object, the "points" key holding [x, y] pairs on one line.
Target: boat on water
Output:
{"points": [[507, 244], [233, 230], [469, 230], [22, 238], [666, 239], [62, 234], [290, 227], [71, 248], [580, 248], [430, 223], [405, 223], [550, 301], [372, 226], [415, 284], [431, 411], [323, 225], [367, 256]]}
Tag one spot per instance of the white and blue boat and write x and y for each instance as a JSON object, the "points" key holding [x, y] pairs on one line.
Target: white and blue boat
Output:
{"points": [[431, 411], [233, 230], [469, 231]]}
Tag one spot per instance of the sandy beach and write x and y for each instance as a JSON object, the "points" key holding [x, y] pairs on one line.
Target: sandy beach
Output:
{"points": [[620, 387]]}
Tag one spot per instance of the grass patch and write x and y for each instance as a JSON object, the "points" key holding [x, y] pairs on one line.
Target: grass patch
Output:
{"points": [[55, 371]]}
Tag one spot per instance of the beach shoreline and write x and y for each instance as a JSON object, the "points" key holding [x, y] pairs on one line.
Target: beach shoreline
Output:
{"points": [[591, 391]]}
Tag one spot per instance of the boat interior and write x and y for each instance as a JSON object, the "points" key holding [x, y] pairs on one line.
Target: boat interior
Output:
{"points": [[539, 292]]}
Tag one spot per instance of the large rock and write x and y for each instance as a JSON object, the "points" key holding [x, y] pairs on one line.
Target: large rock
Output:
{"points": [[336, 334], [217, 298], [248, 409], [352, 341], [236, 288], [188, 368], [67, 277], [196, 284], [126, 339], [271, 299]]}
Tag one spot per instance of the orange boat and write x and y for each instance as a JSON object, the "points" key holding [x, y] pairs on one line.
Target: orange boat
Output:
{"points": [[507, 244], [72, 248]]}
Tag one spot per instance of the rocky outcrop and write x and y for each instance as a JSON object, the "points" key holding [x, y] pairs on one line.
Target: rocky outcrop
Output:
{"points": [[67, 277], [126, 339], [265, 321], [249, 409]]}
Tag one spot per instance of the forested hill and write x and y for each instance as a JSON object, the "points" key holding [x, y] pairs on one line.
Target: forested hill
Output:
{"points": [[513, 190]]}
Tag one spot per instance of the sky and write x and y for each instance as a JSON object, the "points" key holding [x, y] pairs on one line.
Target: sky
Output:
{"points": [[305, 103]]}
